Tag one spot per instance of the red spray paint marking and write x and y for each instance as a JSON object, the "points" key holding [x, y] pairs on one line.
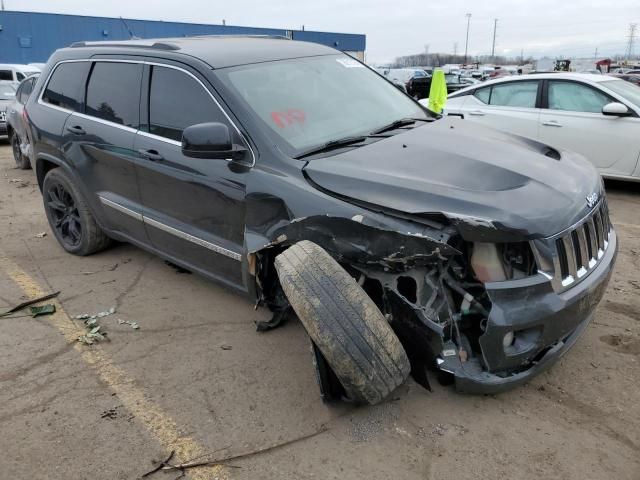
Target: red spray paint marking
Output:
{"points": [[288, 117]]}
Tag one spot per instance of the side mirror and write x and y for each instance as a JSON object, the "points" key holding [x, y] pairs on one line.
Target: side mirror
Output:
{"points": [[210, 140], [615, 109]]}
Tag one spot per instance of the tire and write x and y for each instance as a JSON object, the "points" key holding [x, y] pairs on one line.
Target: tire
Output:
{"points": [[343, 322], [22, 161], [69, 217]]}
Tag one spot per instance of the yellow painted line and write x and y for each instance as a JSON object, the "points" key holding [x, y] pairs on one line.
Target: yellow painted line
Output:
{"points": [[159, 423]]}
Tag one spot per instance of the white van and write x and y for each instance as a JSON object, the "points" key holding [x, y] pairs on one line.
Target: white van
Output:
{"points": [[15, 72]]}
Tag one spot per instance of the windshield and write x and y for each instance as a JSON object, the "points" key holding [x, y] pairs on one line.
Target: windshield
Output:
{"points": [[7, 90], [625, 89], [307, 102]]}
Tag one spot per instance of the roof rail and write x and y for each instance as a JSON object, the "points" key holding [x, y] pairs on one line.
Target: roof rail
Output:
{"points": [[155, 45]]}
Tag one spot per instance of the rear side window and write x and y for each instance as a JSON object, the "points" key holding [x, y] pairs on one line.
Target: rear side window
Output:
{"points": [[514, 94], [25, 90], [483, 94], [6, 75], [177, 101], [66, 86], [113, 92]]}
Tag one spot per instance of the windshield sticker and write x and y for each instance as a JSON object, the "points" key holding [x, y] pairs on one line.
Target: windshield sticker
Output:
{"points": [[288, 117], [349, 63]]}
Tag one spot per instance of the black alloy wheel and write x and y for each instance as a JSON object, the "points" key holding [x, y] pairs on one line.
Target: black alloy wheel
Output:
{"points": [[63, 211]]}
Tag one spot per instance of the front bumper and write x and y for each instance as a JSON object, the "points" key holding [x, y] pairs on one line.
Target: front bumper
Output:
{"points": [[546, 325]]}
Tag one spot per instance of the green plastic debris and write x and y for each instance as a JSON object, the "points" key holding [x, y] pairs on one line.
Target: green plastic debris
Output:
{"points": [[47, 309]]}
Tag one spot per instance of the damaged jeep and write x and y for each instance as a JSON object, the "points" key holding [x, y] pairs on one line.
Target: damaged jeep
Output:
{"points": [[404, 242]]}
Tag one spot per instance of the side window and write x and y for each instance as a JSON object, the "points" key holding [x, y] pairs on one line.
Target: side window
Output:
{"points": [[28, 88], [25, 90], [575, 97], [66, 86], [113, 92], [177, 101], [483, 94], [6, 75], [20, 76], [515, 94]]}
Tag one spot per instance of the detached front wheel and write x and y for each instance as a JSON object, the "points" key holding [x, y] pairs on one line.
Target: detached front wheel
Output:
{"points": [[343, 323]]}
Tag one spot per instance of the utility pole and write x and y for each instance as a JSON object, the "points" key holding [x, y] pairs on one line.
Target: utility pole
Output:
{"points": [[466, 44], [522, 56], [455, 49], [632, 38], [2, 5], [595, 55], [493, 48]]}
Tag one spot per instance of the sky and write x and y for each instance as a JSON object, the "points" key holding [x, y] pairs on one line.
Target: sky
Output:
{"points": [[573, 28]]}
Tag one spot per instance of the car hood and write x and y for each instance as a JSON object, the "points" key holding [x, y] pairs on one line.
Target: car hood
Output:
{"points": [[502, 184]]}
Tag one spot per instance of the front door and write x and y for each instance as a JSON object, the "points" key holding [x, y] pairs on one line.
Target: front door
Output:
{"points": [[193, 208], [574, 121], [508, 106]]}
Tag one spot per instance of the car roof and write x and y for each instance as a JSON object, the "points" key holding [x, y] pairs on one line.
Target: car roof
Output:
{"points": [[217, 51], [584, 77]]}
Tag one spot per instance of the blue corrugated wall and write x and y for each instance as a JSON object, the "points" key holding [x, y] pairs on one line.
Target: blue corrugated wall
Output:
{"points": [[27, 37]]}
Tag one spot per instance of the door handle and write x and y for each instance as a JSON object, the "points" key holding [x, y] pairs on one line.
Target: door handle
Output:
{"points": [[478, 113], [552, 123], [76, 130], [152, 155]]}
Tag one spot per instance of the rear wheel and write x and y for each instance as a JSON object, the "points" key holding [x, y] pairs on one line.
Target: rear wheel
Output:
{"points": [[69, 217], [22, 161], [344, 324]]}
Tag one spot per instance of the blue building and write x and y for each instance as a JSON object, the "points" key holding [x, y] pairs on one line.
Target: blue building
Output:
{"points": [[28, 37]]}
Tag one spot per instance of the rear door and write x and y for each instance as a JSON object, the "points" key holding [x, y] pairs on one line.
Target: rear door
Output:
{"points": [[508, 106], [98, 142], [573, 120], [193, 208]]}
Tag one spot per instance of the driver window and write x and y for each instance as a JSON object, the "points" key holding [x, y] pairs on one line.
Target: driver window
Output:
{"points": [[177, 101], [575, 97]]}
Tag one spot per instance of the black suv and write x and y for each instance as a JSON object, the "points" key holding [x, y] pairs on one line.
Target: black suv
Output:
{"points": [[294, 173]]}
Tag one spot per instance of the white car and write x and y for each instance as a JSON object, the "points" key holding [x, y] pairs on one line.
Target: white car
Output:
{"points": [[16, 73], [595, 115]]}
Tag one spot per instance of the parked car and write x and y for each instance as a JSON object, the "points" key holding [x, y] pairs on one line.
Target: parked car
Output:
{"points": [[296, 175], [455, 82], [418, 87], [397, 83], [597, 116], [7, 94], [17, 124], [629, 77], [15, 72]]}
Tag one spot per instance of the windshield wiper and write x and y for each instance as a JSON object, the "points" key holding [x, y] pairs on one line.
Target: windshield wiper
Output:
{"points": [[403, 122], [332, 145]]}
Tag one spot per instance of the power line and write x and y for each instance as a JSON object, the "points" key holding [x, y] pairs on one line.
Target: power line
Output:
{"points": [[632, 38]]}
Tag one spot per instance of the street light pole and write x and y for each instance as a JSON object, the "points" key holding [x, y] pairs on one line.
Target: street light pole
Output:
{"points": [[466, 44]]}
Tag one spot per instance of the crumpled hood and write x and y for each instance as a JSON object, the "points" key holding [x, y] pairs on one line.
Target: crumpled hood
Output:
{"points": [[477, 176]]}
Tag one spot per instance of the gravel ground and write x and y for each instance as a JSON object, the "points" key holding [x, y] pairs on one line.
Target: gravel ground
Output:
{"points": [[197, 374]]}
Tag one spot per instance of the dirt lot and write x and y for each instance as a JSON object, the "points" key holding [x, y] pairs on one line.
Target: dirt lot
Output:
{"points": [[197, 378]]}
